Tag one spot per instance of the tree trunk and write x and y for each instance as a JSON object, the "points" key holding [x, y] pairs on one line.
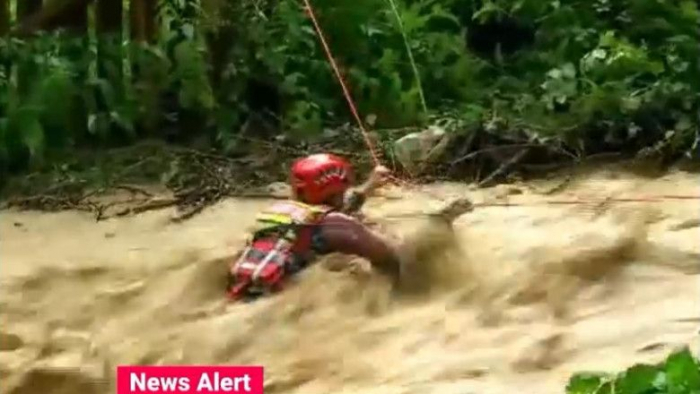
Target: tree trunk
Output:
{"points": [[143, 17], [143, 25], [108, 18], [27, 8], [4, 17], [5, 65], [72, 16]]}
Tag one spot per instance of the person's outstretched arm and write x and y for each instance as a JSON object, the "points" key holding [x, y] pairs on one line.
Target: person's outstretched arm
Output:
{"points": [[355, 197], [345, 234]]}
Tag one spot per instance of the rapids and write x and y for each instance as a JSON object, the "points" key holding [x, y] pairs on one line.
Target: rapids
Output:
{"points": [[533, 294]]}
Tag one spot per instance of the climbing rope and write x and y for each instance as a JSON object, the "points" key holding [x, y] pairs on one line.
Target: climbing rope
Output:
{"points": [[346, 92]]}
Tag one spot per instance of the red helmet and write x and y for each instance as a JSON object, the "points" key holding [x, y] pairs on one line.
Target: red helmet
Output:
{"points": [[316, 178]]}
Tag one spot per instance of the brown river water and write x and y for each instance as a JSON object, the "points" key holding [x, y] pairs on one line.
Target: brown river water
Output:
{"points": [[532, 294]]}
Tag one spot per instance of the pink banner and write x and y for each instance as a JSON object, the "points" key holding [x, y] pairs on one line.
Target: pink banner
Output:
{"points": [[189, 379]]}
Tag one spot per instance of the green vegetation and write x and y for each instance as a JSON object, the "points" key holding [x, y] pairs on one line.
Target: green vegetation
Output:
{"points": [[589, 76], [679, 374]]}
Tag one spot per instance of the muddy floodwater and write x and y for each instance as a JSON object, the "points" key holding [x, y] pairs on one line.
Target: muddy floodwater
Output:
{"points": [[535, 293]]}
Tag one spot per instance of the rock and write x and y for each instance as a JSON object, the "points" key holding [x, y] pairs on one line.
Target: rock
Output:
{"points": [[278, 189], [416, 149]]}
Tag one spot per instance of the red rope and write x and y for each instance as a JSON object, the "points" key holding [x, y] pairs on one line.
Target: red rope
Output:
{"points": [[343, 85], [649, 199], [346, 91]]}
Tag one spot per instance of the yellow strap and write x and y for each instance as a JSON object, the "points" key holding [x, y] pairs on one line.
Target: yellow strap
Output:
{"points": [[274, 218], [311, 212], [268, 219]]}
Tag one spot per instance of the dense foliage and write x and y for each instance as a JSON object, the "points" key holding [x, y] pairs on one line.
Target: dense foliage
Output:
{"points": [[593, 74], [679, 374]]}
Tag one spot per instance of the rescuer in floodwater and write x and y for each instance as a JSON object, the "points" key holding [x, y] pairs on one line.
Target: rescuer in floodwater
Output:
{"points": [[317, 220]]}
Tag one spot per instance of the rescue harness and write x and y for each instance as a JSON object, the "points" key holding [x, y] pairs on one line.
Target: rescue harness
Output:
{"points": [[282, 244]]}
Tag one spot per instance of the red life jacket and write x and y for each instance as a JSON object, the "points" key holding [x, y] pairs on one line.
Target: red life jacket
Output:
{"points": [[282, 241]]}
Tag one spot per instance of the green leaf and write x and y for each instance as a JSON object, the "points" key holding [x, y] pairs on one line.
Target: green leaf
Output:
{"points": [[689, 10], [682, 372], [584, 383], [638, 380], [684, 123], [660, 382], [188, 31], [106, 91], [631, 104], [608, 388], [32, 134], [568, 70], [488, 11], [123, 121]]}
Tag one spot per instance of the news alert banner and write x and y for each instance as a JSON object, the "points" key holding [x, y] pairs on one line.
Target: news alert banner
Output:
{"points": [[189, 379]]}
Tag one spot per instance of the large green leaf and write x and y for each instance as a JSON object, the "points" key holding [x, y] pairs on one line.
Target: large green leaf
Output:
{"points": [[682, 372]]}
